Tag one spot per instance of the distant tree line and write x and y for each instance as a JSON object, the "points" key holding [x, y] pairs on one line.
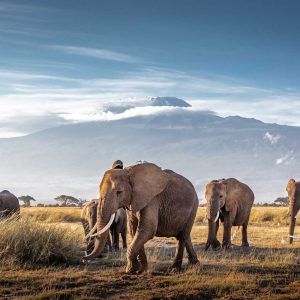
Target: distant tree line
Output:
{"points": [[62, 201]]}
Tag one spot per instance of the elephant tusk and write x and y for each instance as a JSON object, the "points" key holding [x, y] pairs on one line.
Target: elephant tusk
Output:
{"points": [[297, 237], [106, 227], [91, 232], [217, 217]]}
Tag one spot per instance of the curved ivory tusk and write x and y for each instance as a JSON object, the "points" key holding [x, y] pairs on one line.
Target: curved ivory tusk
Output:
{"points": [[297, 237], [217, 217], [105, 227], [91, 232]]}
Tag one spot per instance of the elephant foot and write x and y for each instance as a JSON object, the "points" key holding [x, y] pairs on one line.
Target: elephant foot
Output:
{"points": [[226, 246], [216, 245], [193, 261], [176, 267], [245, 245], [175, 270], [143, 267], [133, 268]]}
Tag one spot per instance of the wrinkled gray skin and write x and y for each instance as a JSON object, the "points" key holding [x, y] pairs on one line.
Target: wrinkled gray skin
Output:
{"points": [[162, 203], [233, 200], [9, 204], [293, 190], [119, 226]]}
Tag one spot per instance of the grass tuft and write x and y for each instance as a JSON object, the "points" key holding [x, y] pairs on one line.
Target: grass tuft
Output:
{"points": [[28, 243]]}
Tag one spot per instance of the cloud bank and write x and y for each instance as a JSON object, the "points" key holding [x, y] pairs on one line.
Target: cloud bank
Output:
{"points": [[44, 100]]}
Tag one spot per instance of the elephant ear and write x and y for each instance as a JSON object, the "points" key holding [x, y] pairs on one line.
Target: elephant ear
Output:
{"points": [[230, 202], [147, 180], [291, 187]]}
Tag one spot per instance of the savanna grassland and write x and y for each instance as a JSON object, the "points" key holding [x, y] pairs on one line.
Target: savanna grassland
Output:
{"points": [[41, 259]]}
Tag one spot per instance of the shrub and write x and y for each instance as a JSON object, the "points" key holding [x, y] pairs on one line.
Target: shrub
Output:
{"points": [[27, 242]]}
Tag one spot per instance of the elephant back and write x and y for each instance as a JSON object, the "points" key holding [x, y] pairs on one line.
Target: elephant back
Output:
{"points": [[9, 203]]}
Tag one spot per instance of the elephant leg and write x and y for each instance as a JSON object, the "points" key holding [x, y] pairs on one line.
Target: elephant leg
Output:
{"points": [[212, 236], [192, 256], [292, 228], [124, 237], [142, 259], [147, 226], [176, 266], [227, 231], [216, 245], [116, 239], [244, 236], [109, 243]]}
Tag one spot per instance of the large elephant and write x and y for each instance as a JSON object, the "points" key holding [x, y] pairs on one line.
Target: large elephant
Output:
{"points": [[293, 190], [9, 204], [118, 226], [162, 203], [230, 201]]}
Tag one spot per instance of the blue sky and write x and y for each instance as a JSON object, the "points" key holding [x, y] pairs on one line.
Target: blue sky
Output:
{"points": [[61, 61]]}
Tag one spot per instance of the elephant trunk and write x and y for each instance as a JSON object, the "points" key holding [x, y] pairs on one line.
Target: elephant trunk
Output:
{"points": [[104, 218], [212, 211], [293, 213], [211, 232], [292, 227]]}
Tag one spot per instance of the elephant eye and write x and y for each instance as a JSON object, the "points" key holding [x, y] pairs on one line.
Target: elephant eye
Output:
{"points": [[221, 196], [119, 193]]}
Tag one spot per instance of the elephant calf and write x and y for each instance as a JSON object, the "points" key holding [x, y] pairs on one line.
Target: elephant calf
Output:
{"points": [[293, 190], [118, 226], [9, 204], [230, 201]]}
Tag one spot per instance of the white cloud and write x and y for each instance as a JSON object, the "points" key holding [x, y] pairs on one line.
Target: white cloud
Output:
{"points": [[96, 53], [35, 95], [273, 139], [286, 159]]}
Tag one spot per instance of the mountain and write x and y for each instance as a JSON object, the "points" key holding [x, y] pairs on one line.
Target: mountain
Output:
{"points": [[202, 146], [168, 101], [121, 107]]}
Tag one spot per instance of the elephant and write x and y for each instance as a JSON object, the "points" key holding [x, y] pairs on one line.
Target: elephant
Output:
{"points": [[293, 190], [9, 204], [118, 226], [161, 203], [230, 201]]}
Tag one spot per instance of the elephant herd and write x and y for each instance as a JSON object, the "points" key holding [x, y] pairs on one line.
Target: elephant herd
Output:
{"points": [[163, 203], [152, 202]]}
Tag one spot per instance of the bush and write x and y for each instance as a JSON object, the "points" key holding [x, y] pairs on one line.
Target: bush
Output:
{"points": [[30, 243]]}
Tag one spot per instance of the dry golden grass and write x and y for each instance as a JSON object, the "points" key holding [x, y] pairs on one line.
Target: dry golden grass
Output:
{"points": [[259, 216], [25, 242], [52, 214], [269, 269]]}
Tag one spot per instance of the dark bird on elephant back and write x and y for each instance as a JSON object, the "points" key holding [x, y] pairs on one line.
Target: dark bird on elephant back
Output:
{"points": [[162, 203], [230, 201], [293, 190], [9, 204]]}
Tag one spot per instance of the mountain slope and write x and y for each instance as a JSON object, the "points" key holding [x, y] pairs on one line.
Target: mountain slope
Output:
{"points": [[200, 145]]}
